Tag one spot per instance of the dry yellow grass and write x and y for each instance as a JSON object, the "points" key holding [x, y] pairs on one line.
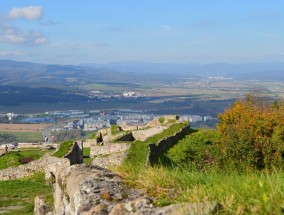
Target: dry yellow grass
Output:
{"points": [[23, 127]]}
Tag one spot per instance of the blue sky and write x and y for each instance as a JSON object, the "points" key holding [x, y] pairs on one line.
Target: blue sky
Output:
{"points": [[162, 31]]}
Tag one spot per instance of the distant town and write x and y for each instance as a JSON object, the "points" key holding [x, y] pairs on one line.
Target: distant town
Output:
{"points": [[92, 120]]}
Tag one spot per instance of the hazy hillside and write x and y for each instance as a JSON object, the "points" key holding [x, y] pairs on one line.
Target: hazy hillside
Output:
{"points": [[259, 71], [14, 96], [14, 73]]}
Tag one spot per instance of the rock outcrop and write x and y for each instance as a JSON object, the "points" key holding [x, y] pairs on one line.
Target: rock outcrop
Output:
{"points": [[83, 190], [41, 208]]}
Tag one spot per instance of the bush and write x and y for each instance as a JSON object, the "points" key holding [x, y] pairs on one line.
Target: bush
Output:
{"points": [[161, 120], [252, 134]]}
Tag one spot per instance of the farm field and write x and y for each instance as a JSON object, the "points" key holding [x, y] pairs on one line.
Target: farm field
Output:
{"points": [[23, 127], [25, 136]]}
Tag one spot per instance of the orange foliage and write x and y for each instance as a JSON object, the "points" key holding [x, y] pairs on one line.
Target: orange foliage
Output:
{"points": [[252, 130]]}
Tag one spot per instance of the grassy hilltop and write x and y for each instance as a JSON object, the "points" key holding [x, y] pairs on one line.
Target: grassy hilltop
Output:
{"points": [[239, 165]]}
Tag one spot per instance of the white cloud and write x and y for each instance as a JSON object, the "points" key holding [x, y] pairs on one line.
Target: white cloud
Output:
{"points": [[14, 35], [16, 53], [30, 13]]}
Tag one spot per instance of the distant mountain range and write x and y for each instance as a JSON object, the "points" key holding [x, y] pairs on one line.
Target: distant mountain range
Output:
{"points": [[24, 82], [13, 73], [258, 71]]}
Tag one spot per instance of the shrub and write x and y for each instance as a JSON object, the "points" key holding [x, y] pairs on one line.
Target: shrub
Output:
{"points": [[161, 120], [252, 134]]}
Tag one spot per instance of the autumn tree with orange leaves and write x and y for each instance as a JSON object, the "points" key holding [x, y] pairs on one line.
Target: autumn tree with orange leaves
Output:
{"points": [[252, 134]]}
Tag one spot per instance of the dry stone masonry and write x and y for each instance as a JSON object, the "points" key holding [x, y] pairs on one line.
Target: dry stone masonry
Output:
{"points": [[84, 190], [165, 144]]}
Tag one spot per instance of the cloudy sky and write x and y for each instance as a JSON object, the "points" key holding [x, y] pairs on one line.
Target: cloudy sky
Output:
{"points": [[173, 31]]}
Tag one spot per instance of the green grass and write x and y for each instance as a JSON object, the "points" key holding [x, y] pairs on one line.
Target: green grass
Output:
{"points": [[64, 148], [86, 152], [139, 150], [25, 136], [249, 192], [161, 120], [170, 121], [93, 135], [22, 193], [114, 129], [12, 157]]}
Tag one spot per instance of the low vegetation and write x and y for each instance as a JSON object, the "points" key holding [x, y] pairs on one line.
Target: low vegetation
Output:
{"points": [[239, 165], [12, 136], [86, 156], [252, 134], [138, 151], [76, 134], [20, 194], [161, 120], [12, 157], [114, 129], [64, 148], [93, 135]]}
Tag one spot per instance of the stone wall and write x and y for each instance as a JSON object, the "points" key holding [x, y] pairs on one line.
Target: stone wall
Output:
{"points": [[165, 144], [47, 162], [115, 159], [75, 155], [143, 134], [84, 190], [2, 152], [108, 148], [128, 137]]}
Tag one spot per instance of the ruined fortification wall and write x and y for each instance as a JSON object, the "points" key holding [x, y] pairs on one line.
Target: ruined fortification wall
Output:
{"points": [[75, 155], [46, 162], [166, 144], [49, 164], [2, 152], [79, 189], [90, 142], [128, 137], [145, 134], [115, 159], [108, 148]]}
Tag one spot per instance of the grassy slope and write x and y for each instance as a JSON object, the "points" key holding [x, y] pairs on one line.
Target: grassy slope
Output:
{"points": [[12, 158], [246, 193], [22, 193], [64, 147], [138, 151]]}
